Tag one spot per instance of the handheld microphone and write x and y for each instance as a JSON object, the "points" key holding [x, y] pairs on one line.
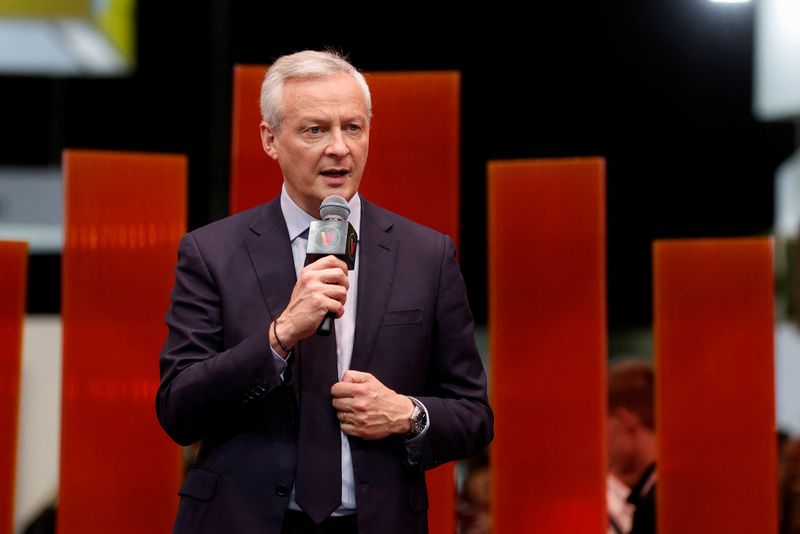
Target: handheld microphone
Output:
{"points": [[332, 236]]}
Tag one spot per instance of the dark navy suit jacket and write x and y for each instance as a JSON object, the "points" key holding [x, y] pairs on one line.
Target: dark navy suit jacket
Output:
{"points": [[220, 384]]}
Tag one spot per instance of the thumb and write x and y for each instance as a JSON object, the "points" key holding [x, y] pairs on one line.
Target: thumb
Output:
{"points": [[356, 377]]}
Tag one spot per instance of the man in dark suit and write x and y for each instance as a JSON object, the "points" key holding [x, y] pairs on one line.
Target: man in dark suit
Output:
{"points": [[303, 433]]}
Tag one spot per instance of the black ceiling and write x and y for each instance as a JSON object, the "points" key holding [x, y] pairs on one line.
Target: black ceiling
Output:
{"points": [[661, 88]]}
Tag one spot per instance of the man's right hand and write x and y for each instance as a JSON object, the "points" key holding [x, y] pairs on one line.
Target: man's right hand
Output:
{"points": [[320, 288]]}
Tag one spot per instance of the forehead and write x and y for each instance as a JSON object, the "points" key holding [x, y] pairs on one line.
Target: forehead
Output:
{"points": [[337, 93]]}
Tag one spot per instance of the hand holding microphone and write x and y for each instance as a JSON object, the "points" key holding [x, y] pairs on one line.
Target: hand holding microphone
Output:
{"points": [[321, 290], [332, 236]]}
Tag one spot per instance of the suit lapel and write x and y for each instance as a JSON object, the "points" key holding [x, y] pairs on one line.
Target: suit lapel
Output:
{"points": [[377, 261], [271, 254]]}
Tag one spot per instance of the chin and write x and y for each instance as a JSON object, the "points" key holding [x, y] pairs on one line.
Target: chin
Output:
{"points": [[343, 190]]}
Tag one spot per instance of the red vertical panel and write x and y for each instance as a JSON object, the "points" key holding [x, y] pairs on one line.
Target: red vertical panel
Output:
{"points": [[715, 412], [13, 276], [414, 152], [547, 341], [255, 177], [125, 213], [441, 499], [413, 170]]}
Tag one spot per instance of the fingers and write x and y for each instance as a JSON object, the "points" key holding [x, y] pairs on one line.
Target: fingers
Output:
{"points": [[347, 417], [357, 377], [355, 384], [313, 277], [359, 406], [358, 425], [321, 288], [328, 262], [345, 395]]}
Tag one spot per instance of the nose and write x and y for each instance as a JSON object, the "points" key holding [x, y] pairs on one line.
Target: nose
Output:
{"points": [[337, 147]]}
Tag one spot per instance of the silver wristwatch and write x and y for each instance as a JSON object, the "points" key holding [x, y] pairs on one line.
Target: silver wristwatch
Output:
{"points": [[418, 420]]}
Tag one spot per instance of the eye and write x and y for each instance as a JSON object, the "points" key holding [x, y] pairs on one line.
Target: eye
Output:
{"points": [[352, 127], [314, 130]]}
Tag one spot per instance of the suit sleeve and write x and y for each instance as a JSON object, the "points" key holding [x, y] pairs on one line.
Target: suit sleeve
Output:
{"points": [[461, 421], [203, 383]]}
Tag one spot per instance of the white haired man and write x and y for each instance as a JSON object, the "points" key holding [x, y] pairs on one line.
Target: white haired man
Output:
{"points": [[303, 433]]}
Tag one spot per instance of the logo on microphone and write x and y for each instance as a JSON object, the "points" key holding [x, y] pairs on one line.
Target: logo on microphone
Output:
{"points": [[351, 246], [328, 237]]}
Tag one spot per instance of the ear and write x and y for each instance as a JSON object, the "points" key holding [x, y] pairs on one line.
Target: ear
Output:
{"points": [[269, 140]]}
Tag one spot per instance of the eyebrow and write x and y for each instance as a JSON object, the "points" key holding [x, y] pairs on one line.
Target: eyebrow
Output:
{"points": [[326, 120]]}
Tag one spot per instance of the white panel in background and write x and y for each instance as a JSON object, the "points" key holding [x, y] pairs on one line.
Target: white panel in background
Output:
{"points": [[787, 196], [787, 376], [61, 47], [39, 418], [31, 207], [776, 92]]}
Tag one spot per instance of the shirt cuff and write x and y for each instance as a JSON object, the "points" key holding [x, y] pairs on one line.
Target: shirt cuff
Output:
{"points": [[280, 362]]}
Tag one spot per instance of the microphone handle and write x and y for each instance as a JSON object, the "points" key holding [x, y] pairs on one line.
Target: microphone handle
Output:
{"points": [[326, 326]]}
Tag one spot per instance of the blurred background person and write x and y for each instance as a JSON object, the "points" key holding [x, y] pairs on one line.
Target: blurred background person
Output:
{"points": [[620, 511], [789, 480], [472, 509], [631, 447]]}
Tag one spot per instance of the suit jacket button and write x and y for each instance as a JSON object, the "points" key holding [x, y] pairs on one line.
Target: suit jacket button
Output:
{"points": [[281, 490]]}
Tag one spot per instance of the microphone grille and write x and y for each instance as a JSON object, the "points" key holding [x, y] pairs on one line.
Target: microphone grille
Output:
{"points": [[334, 207]]}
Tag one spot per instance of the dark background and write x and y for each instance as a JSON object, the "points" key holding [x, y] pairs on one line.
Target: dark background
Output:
{"points": [[661, 89]]}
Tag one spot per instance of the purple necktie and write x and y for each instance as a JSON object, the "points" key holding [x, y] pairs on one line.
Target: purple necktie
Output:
{"points": [[318, 484]]}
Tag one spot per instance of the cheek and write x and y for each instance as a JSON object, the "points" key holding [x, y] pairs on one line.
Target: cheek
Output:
{"points": [[364, 150], [616, 438], [300, 153]]}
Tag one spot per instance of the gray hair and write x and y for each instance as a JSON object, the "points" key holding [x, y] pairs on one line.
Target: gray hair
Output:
{"points": [[305, 64]]}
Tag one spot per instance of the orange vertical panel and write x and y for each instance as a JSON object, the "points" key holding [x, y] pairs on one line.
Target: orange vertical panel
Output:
{"points": [[441, 499], [413, 170], [715, 396], [414, 157], [125, 213], [255, 177], [13, 276], [414, 153], [547, 341]]}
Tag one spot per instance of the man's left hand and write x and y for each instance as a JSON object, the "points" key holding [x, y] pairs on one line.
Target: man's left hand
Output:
{"points": [[367, 409]]}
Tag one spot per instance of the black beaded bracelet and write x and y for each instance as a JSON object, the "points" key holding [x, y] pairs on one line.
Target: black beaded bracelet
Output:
{"points": [[275, 331]]}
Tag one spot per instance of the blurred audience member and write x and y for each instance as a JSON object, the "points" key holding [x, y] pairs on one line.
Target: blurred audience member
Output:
{"points": [[473, 504], [790, 488], [620, 511], [631, 447]]}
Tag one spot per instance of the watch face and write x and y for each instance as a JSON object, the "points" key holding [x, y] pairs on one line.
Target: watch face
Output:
{"points": [[419, 420]]}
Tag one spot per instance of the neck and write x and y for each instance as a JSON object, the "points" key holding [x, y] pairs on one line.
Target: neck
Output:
{"points": [[645, 455]]}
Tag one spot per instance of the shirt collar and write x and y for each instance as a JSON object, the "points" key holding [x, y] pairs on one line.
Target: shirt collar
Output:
{"points": [[298, 221]]}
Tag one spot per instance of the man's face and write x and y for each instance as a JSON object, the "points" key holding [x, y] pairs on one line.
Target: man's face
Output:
{"points": [[323, 141]]}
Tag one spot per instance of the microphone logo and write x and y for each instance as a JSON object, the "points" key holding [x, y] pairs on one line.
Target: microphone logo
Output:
{"points": [[328, 238]]}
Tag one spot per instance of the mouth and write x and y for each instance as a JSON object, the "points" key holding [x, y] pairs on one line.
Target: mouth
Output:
{"points": [[335, 172]]}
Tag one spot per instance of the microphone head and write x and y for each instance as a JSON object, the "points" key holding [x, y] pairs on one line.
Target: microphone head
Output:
{"points": [[334, 208]]}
